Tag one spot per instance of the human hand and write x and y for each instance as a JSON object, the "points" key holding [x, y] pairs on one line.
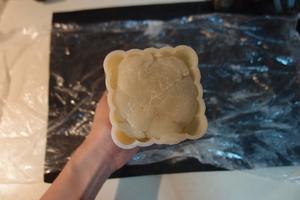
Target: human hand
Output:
{"points": [[92, 162], [101, 131]]}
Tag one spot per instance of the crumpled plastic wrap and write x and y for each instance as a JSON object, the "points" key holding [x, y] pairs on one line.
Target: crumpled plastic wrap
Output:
{"points": [[23, 103], [250, 75]]}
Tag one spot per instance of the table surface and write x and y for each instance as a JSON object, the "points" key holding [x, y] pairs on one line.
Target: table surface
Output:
{"points": [[270, 183]]}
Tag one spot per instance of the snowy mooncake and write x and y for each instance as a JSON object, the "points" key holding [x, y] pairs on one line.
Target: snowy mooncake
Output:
{"points": [[154, 96]]}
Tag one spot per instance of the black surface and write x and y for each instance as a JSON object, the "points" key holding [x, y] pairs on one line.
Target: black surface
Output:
{"points": [[163, 12], [166, 167]]}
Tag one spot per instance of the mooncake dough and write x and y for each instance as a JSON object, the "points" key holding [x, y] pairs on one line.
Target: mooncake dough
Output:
{"points": [[154, 96]]}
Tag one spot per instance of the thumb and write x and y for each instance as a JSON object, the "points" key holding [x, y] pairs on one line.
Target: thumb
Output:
{"points": [[101, 117]]}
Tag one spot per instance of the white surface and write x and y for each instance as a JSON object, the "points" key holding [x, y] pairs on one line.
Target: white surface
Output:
{"points": [[198, 186], [28, 13]]}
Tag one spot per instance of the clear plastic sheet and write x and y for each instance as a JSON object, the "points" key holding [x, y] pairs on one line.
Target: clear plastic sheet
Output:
{"points": [[250, 74], [24, 56]]}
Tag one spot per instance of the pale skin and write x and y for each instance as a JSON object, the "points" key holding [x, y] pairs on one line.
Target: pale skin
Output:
{"points": [[92, 163]]}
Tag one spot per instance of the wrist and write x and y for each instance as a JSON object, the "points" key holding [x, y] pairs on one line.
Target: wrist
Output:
{"points": [[89, 168], [83, 175], [101, 142], [97, 153]]}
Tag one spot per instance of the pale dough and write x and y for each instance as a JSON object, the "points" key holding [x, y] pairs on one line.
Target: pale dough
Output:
{"points": [[154, 96]]}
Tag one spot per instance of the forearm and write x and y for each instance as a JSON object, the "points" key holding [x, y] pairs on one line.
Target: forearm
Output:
{"points": [[92, 163], [86, 171]]}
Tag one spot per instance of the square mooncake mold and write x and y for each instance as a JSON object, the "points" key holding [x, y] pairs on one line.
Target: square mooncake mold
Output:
{"points": [[154, 96]]}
